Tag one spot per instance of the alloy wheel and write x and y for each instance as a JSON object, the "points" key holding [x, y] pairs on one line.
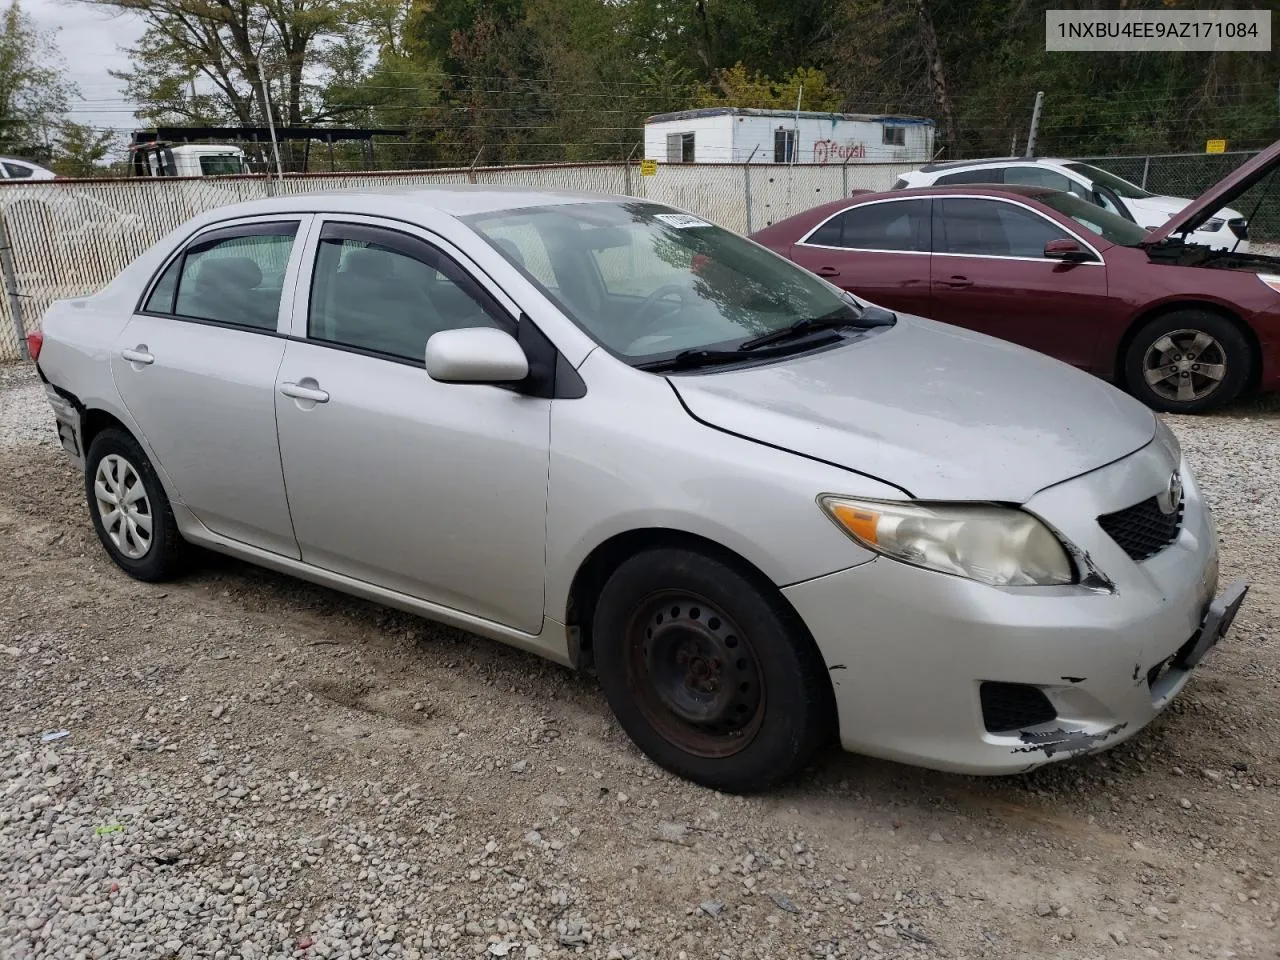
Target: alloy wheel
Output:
{"points": [[123, 506], [1185, 366]]}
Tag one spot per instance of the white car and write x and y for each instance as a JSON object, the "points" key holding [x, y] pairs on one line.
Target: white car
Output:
{"points": [[13, 169], [1227, 230]]}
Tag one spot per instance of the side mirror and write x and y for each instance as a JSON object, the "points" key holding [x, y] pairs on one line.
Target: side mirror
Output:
{"points": [[475, 355], [1066, 250]]}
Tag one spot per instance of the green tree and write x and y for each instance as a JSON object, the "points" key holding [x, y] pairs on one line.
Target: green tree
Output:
{"points": [[79, 150], [218, 45], [736, 87], [34, 93]]}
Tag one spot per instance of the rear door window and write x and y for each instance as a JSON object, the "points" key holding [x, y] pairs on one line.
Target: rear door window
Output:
{"points": [[898, 225], [977, 175], [232, 276]]}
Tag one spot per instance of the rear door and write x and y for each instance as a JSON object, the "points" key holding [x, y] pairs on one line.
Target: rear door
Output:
{"points": [[878, 250], [989, 274], [196, 368]]}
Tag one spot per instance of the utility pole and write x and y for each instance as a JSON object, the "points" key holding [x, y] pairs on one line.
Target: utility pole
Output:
{"points": [[271, 123], [1035, 125]]}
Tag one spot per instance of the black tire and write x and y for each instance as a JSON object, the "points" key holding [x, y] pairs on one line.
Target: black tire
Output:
{"points": [[166, 553], [749, 670], [1229, 354]]}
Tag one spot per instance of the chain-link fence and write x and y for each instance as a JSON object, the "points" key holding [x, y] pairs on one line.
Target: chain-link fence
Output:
{"points": [[1188, 175], [69, 238]]}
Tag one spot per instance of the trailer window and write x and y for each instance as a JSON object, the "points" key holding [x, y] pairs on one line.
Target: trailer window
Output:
{"points": [[680, 148]]}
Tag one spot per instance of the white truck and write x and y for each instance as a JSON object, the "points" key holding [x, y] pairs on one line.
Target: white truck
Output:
{"points": [[160, 159]]}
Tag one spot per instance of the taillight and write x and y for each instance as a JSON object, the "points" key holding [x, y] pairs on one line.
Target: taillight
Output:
{"points": [[34, 342]]}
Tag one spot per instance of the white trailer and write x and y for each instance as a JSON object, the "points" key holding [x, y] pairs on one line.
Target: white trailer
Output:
{"points": [[740, 135]]}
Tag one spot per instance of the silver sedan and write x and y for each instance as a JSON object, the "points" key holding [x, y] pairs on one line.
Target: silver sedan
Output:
{"points": [[764, 512]]}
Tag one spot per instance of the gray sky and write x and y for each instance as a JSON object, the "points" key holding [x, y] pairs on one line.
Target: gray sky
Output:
{"points": [[90, 39]]}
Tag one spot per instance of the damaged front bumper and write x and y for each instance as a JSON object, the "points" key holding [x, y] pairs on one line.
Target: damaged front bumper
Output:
{"points": [[944, 672]]}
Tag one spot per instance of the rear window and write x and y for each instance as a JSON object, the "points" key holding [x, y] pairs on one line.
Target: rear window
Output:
{"points": [[899, 184], [978, 175]]}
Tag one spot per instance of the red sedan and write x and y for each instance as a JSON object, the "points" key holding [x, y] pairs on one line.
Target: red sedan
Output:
{"points": [[1182, 327]]}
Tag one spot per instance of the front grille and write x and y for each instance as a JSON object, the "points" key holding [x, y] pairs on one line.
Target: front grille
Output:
{"points": [[1143, 530], [1013, 706], [1240, 227]]}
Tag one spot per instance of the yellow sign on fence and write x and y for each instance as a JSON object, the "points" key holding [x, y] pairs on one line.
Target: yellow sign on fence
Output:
{"points": [[1215, 146], [648, 168]]}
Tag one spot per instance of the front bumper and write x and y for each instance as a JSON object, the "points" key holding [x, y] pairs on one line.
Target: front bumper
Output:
{"points": [[909, 650]]}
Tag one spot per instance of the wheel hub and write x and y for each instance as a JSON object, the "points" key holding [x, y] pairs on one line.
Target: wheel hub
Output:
{"points": [[1185, 365], [696, 675]]}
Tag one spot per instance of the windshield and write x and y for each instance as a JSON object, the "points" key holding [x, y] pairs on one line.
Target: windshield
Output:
{"points": [[1105, 224], [212, 165], [647, 282], [1130, 191]]}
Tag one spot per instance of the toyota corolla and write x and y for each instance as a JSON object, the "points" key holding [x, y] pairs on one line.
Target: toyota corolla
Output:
{"points": [[764, 512]]}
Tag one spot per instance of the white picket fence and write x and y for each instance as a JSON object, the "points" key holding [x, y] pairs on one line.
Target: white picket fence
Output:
{"points": [[67, 238]]}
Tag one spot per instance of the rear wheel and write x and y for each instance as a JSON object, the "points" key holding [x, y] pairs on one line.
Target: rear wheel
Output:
{"points": [[707, 671], [1188, 361], [130, 511]]}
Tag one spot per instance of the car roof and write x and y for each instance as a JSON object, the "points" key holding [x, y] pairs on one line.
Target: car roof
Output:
{"points": [[1025, 190], [984, 162], [455, 200]]}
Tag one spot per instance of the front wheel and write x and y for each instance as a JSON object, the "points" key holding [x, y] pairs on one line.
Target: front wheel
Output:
{"points": [[1188, 361], [708, 672], [130, 511]]}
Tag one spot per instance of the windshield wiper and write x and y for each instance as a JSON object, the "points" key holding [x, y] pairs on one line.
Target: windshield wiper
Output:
{"points": [[691, 359], [868, 318]]}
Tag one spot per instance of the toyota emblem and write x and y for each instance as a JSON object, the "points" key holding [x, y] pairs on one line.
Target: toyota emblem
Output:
{"points": [[1173, 495]]}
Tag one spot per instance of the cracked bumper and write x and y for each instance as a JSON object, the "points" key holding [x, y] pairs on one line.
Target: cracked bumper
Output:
{"points": [[909, 649]]}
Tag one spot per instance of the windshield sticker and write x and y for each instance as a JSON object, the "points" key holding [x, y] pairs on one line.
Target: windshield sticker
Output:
{"points": [[681, 221]]}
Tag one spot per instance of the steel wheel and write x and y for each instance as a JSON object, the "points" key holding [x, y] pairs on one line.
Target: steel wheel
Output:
{"points": [[1185, 366], [123, 506], [695, 674]]}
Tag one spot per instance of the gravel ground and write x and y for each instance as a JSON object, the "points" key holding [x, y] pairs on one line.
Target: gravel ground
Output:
{"points": [[260, 768]]}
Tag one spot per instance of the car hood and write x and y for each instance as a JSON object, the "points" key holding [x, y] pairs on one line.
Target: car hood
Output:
{"points": [[940, 412], [1194, 214], [1152, 212]]}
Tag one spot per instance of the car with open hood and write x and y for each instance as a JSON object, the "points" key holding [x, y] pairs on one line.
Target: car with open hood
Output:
{"points": [[764, 512], [1182, 326], [1227, 229]]}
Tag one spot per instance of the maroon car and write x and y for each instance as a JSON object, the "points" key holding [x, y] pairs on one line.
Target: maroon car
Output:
{"points": [[1182, 327]]}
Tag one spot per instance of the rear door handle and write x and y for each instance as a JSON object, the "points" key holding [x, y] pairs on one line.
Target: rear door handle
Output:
{"points": [[138, 354], [957, 283], [827, 272], [299, 392]]}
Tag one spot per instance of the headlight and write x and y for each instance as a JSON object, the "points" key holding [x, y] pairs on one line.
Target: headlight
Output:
{"points": [[1212, 226], [1272, 280], [1000, 546]]}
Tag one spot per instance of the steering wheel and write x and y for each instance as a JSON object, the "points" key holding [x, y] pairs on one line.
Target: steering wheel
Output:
{"points": [[652, 301]]}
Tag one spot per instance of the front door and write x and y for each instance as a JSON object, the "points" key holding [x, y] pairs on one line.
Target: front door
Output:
{"points": [[989, 274], [434, 490], [196, 368], [879, 251]]}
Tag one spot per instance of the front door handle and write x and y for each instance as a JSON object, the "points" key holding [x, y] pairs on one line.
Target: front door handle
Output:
{"points": [[138, 354], [957, 282], [301, 392], [827, 272]]}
